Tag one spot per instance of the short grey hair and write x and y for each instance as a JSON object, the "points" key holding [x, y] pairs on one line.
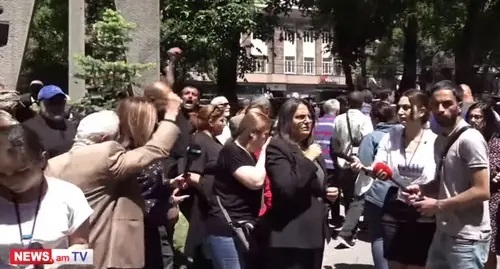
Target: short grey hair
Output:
{"points": [[98, 124], [331, 107], [261, 102]]}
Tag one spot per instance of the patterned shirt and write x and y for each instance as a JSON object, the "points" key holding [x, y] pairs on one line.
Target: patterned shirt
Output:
{"points": [[322, 135]]}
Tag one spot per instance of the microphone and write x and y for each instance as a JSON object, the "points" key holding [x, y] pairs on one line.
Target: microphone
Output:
{"points": [[192, 153], [382, 167], [36, 245], [348, 158]]}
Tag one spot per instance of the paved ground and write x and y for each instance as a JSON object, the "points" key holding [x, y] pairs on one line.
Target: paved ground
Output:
{"points": [[358, 257]]}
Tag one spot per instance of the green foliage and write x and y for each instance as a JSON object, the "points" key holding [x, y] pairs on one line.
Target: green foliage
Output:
{"points": [[46, 56], [205, 30], [108, 76]]}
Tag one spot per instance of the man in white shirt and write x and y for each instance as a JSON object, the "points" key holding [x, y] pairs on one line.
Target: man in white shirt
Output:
{"points": [[348, 131], [222, 102]]}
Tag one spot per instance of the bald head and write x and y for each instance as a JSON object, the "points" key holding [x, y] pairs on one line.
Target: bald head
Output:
{"points": [[468, 97], [157, 92], [356, 99]]}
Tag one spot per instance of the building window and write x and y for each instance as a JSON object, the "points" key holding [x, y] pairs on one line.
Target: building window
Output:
{"points": [[308, 37], [260, 64], [326, 38], [289, 36], [327, 66], [309, 65], [289, 65]]}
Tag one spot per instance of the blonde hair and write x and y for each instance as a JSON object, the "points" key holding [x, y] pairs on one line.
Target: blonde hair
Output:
{"points": [[138, 118], [208, 114], [252, 122]]}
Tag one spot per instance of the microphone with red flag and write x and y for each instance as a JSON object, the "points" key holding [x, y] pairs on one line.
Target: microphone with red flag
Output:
{"points": [[384, 168]]}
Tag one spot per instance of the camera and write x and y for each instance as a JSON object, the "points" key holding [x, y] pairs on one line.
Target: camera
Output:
{"points": [[4, 30]]}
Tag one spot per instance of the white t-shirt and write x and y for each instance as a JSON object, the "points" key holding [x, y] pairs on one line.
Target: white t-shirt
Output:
{"points": [[417, 167], [62, 210]]}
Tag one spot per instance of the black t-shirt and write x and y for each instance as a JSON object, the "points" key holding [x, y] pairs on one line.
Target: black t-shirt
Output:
{"points": [[240, 202], [207, 162], [56, 137]]}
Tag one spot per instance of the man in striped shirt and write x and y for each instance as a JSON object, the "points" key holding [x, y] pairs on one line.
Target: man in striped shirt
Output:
{"points": [[322, 135]]}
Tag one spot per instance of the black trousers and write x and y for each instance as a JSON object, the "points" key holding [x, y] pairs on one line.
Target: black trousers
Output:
{"points": [[158, 245], [344, 180], [294, 258]]}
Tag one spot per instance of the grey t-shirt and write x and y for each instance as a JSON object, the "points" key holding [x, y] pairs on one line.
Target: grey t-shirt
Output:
{"points": [[469, 152]]}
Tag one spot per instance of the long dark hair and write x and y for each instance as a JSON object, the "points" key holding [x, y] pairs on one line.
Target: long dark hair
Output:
{"points": [[285, 120], [490, 126]]}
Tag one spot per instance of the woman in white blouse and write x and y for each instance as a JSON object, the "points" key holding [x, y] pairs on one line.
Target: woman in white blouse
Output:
{"points": [[34, 208], [409, 152]]}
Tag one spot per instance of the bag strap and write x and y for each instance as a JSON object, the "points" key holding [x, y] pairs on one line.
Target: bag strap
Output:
{"points": [[224, 212], [349, 126], [452, 139]]}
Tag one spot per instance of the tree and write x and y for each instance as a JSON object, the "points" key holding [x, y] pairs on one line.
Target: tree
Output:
{"points": [[108, 76], [209, 34], [354, 23], [46, 55]]}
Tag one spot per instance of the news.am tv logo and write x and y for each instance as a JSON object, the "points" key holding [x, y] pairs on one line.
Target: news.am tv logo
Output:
{"points": [[51, 256]]}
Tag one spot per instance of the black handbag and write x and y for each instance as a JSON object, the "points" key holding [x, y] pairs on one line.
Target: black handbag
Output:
{"points": [[243, 230]]}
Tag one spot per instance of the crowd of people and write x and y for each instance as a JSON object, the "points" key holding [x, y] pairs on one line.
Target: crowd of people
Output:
{"points": [[256, 191]]}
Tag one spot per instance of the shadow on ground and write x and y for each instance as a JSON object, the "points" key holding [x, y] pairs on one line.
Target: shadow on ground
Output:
{"points": [[349, 266]]}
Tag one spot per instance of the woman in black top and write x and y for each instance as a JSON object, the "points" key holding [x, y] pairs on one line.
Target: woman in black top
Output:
{"points": [[297, 220], [237, 189], [211, 122]]}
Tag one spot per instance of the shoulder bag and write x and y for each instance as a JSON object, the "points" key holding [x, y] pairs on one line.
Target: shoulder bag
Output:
{"points": [[243, 230]]}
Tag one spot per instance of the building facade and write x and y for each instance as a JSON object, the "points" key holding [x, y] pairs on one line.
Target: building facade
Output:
{"points": [[297, 59]]}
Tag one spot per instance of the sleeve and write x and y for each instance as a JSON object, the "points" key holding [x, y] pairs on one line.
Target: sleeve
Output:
{"points": [[367, 126], [198, 165], [233, 158], [286, 179], [123, 162], [335, 145], [473, 149], [382, 152], [78, 207], [366, 152]]}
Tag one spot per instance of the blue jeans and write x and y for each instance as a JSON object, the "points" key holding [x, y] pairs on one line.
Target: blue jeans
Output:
{"points": [[373, 215], [224, 253], [451, 252]]}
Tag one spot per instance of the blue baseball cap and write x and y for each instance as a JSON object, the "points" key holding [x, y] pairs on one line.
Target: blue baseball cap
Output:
{"points": [[50, 91]]}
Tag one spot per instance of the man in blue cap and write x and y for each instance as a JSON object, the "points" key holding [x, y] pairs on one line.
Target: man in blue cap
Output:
{"points": [[53, 129]]}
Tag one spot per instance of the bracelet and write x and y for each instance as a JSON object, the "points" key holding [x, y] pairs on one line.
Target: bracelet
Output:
{"points": [[438, 204]]}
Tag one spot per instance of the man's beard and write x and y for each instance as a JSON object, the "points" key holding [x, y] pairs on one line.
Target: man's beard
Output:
{"points": [[54, 116], [446, 122]]}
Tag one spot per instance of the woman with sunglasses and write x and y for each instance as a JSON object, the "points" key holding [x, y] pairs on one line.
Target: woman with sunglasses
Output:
{"points": [[210, 123]]}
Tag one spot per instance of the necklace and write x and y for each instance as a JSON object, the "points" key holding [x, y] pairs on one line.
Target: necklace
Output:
{"points": [[403, 148], [22, 236]]}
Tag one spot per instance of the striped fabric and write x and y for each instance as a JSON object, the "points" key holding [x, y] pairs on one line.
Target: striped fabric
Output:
{"points": [[322, 135]]}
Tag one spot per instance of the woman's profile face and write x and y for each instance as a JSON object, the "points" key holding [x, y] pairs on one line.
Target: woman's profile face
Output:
{"points": [[17, 172], [259, 139], [301, 123], [218, 125], [476, 119]]}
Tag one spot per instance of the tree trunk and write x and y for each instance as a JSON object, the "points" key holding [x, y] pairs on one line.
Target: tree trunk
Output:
{"points": [[467, 49], [409, 79], [346, 67], [227, 72]]}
